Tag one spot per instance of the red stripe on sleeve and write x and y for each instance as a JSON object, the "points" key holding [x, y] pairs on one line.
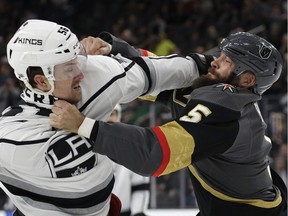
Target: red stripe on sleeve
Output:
{"points": [[144, 52], [165, 150]]}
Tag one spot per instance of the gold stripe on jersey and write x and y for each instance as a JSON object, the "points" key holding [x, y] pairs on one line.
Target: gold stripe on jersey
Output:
{"points": [[253, 202], [181, 145], [180, 98], [148, 98]]}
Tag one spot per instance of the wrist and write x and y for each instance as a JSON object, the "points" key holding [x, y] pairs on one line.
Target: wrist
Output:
{"points": [[109, 48], [86, 127]]}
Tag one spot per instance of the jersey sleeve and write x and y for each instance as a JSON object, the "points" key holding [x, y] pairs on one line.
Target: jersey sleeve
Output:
{"points": [[196, 134], [162, 73], [208, 125], [108, 81], [169, 72]]}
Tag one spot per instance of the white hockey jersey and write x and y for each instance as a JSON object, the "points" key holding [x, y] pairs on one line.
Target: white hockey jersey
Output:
{"points": [[132, 189], [51, 172]]}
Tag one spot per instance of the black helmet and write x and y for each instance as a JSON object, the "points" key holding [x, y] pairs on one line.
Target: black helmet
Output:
{"points": [[253, 53]]}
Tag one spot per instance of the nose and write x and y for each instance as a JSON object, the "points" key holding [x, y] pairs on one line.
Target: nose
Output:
{"points": [[214, 63], [79, 76]]}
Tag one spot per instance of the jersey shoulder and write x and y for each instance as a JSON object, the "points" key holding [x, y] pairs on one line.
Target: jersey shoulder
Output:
{"points": [[225, 95]]}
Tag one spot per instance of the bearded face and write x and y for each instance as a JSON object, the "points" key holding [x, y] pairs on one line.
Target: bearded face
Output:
{"points": [[206, 80], [221, 72]]}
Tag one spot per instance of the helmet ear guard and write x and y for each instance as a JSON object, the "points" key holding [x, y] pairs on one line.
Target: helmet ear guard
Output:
{"points": [[253, 53]]}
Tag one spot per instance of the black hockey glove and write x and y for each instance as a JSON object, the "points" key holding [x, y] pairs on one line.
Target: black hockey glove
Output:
{"points": [[203, 62], [119, 45]]}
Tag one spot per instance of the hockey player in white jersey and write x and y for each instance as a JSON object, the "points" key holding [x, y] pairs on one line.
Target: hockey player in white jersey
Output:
{"points": [[132, 189], [51, 172]]}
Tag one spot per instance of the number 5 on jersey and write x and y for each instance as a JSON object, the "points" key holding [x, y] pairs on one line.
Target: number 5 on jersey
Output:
{"points": [[195, 115]]}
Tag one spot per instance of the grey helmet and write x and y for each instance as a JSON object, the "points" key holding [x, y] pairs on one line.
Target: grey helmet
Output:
{"points": [[253, 53]]}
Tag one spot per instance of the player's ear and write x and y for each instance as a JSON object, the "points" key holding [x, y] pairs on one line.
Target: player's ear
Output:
{"points": [[247, 79], [42, 83]]}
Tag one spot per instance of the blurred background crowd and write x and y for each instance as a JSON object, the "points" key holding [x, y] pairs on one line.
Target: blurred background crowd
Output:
{"points": [[163, 27]]}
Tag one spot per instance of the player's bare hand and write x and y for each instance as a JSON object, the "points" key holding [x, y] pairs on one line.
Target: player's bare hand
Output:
{"points": [[96, 46], [66, 116]]}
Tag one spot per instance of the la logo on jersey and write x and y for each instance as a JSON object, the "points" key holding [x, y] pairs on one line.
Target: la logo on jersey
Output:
{"points": [[70, 155]]}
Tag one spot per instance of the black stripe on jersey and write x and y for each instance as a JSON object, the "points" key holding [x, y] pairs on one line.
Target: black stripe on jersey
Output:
{"points": [[42, 111], [19, 143], [49, 165], [18, 109], [145, 67], [141, 187], [165, 57], [83, 202], [13, 111], [78, 169], [107, 85]]}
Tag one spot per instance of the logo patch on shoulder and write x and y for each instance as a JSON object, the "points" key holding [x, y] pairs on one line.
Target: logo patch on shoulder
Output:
{"points": [[227, 87]]}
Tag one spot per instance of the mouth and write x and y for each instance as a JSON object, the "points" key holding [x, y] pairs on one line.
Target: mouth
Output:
{"points": [[77, 88], [211, 73], [210, 70]]}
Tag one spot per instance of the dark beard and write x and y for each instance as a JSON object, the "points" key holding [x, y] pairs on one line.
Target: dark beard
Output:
{"points": [[204, 80]]}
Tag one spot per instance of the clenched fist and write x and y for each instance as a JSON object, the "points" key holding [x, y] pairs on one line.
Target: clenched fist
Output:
{"points": [[96, 46]]}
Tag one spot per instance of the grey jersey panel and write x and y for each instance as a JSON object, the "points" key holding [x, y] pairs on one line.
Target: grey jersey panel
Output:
{"points": [[242, 170], [134, 147]]}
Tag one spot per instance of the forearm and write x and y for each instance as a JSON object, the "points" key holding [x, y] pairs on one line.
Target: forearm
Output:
{"points": [[134, 147], [163, 73], [171, 72]]}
